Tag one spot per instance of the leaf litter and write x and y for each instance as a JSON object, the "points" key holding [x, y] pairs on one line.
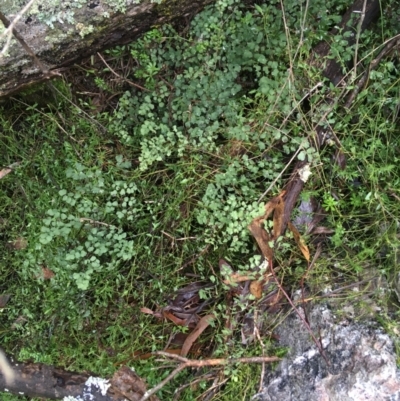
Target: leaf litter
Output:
{"points": [[250, 295]]}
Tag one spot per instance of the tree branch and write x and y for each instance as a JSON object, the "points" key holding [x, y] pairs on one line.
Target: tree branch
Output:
{"points": [[189, 363]]}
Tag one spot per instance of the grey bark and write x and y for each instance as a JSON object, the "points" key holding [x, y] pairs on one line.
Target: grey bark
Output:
{"points": [[65, 35]]}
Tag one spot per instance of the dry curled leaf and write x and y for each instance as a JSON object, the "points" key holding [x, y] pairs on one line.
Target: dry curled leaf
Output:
{"points": [[146, 311], [256, 288], [258, 230], [203, 323], [299, 241], [8, 169], [4, 172], [47, 273]]}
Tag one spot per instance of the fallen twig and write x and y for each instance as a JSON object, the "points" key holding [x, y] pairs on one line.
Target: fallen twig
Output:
{"points": [[363, 82], [122, 78], [258, 336], [189, 363]]}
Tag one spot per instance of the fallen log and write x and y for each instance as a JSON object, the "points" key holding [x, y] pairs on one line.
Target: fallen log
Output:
{"points": [[46, 381], [62, 34]]}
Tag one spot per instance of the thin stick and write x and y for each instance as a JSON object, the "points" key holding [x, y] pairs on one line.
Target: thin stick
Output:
{"points": [[83, 219], [162, 383], [119, 76], [257, 334], [209, 376], [9, 31], [359, 26], [189, 363], [308, 94], [362, 83], [280, 174]]}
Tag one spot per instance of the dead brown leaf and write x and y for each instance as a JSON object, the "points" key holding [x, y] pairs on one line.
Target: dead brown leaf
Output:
{"points": [[279, 214], [203, 323], [174, 319], [19, 243], [146, 311], [127, 383], [4, 298], [256, 288], [299, 241], [4, 172], [47, 273], [262, 238], [257, 227]]}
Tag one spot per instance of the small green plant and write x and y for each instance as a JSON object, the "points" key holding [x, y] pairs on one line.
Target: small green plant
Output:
{"points": [[120, 211]]}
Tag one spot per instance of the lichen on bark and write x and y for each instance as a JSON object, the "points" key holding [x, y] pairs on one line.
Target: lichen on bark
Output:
{"points": [[61, 33]]}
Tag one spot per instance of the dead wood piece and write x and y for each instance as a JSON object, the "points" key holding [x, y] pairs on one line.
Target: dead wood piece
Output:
{"points": [[188, 363], [46, 381], [42, 52]]}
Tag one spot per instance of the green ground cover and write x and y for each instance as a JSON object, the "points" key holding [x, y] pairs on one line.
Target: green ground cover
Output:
{"points": [[114, 208]]}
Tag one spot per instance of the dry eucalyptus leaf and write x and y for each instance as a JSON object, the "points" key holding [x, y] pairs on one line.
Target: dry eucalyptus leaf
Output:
{"points": [[299, 241], [4, 172], [258, 231], [203, 323]]}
